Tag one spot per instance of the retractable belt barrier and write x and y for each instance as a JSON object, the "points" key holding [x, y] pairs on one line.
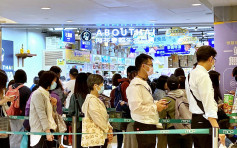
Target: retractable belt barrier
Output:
{"points": [[183, 121], [173, 131]]}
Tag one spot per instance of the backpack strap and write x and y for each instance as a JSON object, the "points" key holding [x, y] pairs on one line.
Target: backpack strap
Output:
{"points": [[20, 86], [79, 107], [199, 103], [171, 97]]}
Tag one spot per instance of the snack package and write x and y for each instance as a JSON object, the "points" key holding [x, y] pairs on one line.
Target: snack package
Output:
{"points": [[228, 103]]}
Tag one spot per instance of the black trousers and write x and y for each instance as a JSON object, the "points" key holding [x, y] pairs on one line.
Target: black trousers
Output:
{"points": [[43, 143], [201, 141], [179, 141], [145, 141]]}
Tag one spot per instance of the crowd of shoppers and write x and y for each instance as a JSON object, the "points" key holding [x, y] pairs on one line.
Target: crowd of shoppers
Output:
{"points": [[135, 96]]}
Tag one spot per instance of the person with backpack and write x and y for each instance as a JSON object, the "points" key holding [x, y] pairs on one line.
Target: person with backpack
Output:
{"points": [[178, 108], [17, 108], [77, 99], [70, 85], [200, 94], [3, 100], [161, 88], [115, 103]]}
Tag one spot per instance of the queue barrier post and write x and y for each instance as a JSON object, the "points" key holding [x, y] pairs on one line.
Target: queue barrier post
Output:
{"points": [[215, 136], [74, 130]]}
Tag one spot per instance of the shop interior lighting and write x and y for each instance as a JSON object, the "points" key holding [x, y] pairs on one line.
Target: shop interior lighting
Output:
{"points": [[196, 5], [56, 29], [69, 21], [45, 8], [70, 28], [210, 33]]}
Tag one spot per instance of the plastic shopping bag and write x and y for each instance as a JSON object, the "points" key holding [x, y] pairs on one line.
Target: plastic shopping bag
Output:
{"points": [[24, 141]]}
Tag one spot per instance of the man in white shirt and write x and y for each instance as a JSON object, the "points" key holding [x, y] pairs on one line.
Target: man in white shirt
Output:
{"points": [[144, 110], [70, 85], [200, 94]]}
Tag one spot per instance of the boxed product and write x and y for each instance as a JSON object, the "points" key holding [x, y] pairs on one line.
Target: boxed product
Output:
{"points": [[190, 64], [183, 63], [228, 103]]}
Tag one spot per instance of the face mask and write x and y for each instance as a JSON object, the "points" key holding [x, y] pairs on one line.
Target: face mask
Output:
{"points": [[150, 72], [213, 67], [101, 90], [53, 86]]}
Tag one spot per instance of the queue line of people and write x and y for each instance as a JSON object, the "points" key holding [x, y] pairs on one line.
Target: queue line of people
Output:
{"points": [[146, 105]]}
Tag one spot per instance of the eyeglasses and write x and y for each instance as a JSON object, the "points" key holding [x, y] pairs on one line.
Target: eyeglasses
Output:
{"points": [[149, 65]]}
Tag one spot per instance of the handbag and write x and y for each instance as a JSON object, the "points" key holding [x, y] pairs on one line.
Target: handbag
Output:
{"points": [[61, 126], [4, 123], [24, 141]]}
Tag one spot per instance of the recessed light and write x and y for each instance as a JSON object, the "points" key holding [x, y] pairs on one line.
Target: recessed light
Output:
{"points": [[45, 8], [196, 4], [69, 21]]}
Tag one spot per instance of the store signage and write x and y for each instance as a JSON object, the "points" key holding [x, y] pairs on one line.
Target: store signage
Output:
{"points": [[211, 42], [60, 62], [176, 31], [68, 36], [86, 35], [188, 40], [86, 45], [124, 32], [75, 56]]}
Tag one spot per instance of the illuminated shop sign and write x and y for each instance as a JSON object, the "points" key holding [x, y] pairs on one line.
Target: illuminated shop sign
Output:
{"points": [[124, 32], [68, 36]]}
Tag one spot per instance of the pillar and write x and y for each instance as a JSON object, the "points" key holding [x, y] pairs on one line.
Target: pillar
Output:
{"points": [[225, 28]]}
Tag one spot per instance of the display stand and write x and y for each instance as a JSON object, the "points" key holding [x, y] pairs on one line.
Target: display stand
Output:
{"points": [[23, 56]]}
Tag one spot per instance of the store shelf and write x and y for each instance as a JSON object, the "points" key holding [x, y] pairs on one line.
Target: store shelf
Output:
{"points": [[23, 56]]}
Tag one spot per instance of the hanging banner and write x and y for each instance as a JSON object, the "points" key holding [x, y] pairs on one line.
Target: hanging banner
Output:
{"points": [[75, 56], [187, 40], [68, 36], [226, 47], [7, 58], [176, 31]]}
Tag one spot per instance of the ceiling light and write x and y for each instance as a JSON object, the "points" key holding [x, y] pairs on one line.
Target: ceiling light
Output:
{"points": [[153, 21], [45, 8], [196, 5], [70, 28], [69, 21], [56, 29]]}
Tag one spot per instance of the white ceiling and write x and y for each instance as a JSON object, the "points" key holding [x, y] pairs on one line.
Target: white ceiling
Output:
{"points": [[108, 11]]}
